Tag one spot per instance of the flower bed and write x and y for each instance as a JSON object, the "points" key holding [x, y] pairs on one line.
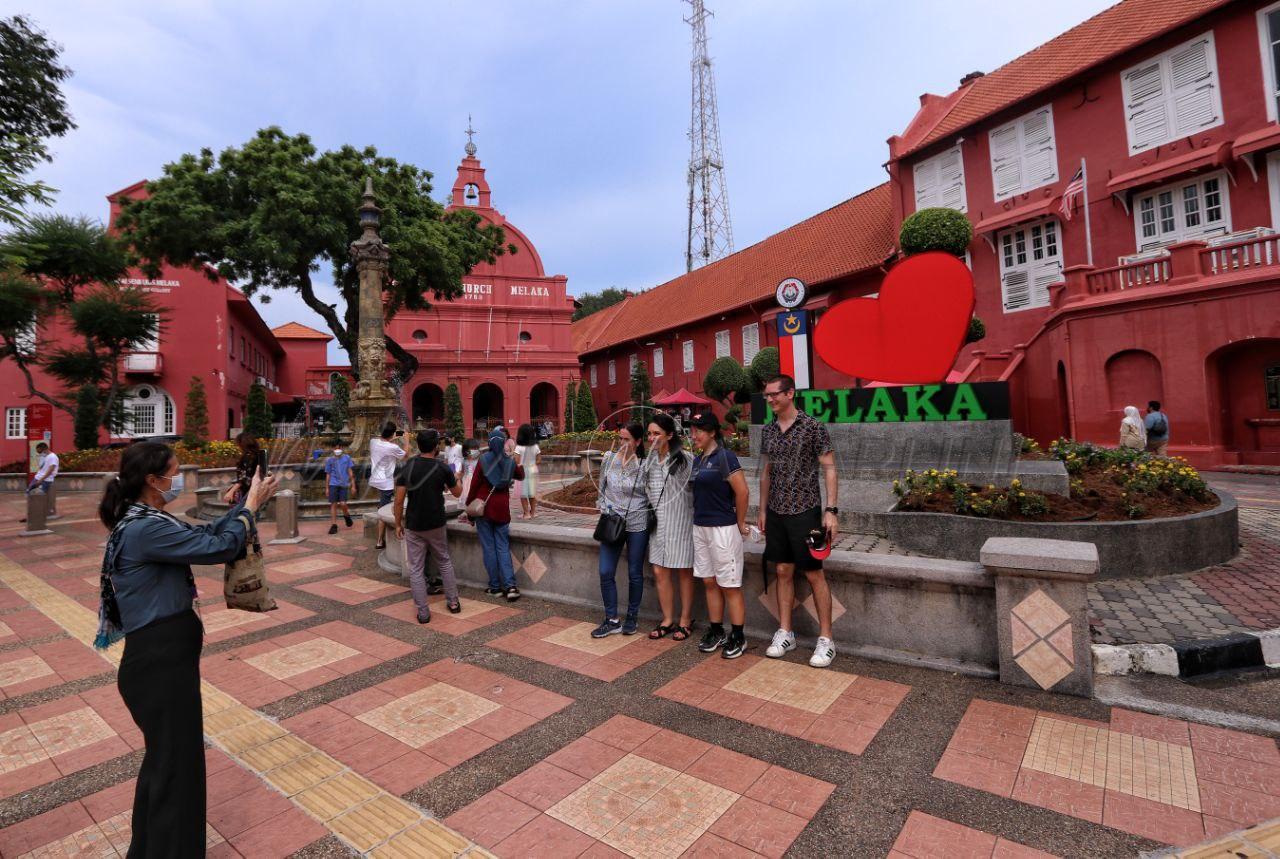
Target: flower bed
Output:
{"points": [[215, 454], [1107, 484]]}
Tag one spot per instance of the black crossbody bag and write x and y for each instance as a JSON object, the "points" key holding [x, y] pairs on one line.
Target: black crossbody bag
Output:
{"points": [[611, 529]]}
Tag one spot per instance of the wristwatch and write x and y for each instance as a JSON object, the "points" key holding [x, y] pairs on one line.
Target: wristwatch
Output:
{"points": [[835, 510]]}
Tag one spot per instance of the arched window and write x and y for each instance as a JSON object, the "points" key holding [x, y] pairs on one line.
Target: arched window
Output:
{"points": [[472, 195], [147, 411], [333, 381], [1133, 379], [419, 336], [525, 337]]}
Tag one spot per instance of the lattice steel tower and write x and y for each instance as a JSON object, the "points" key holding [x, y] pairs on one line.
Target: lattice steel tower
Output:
{"points": [[710, 235]]}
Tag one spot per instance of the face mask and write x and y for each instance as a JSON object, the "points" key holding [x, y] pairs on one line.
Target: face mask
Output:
{"points": [[174, 490], [337, 453]]}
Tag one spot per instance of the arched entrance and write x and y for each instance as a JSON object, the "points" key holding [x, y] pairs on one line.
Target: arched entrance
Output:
{"points": [[1246, 376], [544, 405], [428, 406], [486, 408], [1064, 403]]}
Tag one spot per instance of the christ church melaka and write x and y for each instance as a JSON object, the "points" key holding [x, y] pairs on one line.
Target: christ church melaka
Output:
{"points": [[1123, 184]]}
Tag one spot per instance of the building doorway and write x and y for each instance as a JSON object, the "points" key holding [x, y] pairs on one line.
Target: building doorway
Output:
{"points": [[544, 405], [1064, 403], [428, 406], [486, 408], [1246, 377]]}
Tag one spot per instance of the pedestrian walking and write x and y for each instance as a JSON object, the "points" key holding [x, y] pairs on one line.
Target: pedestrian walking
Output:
{"points": [[667, 471], [527, 454], [720, 499], [453, 455], [1157, 426], [341, 474], [622, 493], [793, 448], [1133, 433], [384, 453], [46, 470], [491, 483], [423, 482], [147, 596]]}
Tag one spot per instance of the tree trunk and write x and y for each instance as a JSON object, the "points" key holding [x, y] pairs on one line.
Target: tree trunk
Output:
{"points": [[344, 335], [31, 388]]}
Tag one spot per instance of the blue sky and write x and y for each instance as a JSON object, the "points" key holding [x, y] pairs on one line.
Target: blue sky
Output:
{"points": [[582, 108]]}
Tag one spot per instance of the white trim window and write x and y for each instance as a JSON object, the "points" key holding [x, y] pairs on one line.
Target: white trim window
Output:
{"points": [[939, 181], [148, 411], [1192, 209], [25, 339], [631, 365], [1269, 37], [1172, 95], [613, 372], [750, 342], [1030, 259], [722, 344], [595, 376], [658, 369], [687, 351], [1023, 154], [15, 423]]}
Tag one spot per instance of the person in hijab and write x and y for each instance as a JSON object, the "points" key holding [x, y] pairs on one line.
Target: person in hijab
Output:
{"points": [[492, 484], [1133, 434]]}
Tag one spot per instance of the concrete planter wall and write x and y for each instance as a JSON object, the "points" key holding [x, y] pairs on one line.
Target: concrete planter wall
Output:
{"points": [[291, 476], [1151, 547], [209, 505], [68, 481]]}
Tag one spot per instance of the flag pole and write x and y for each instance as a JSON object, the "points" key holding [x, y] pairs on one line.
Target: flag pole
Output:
{"points": [[1088, 232]]}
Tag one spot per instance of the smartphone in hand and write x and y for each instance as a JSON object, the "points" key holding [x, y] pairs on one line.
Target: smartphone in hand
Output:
{"points": [[262, 464]]}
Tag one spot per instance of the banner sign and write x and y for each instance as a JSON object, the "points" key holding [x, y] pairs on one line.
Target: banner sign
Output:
{"points": [[39, 429], [967, 401], [795, 354]]}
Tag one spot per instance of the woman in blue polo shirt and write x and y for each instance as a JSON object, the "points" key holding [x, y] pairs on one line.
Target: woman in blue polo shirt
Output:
{"points": [[720, 499]]}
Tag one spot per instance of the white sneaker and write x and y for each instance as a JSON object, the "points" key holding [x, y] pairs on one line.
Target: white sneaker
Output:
{"points": [[823, 653], [783, 643]]}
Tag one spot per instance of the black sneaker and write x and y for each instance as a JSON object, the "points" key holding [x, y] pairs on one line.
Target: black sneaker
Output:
{"points": [[513, 594], [712, 641], [494, 591], [347, 517], [609, 627], [733, 646], [424, 616], [435, 588], [629, 625], [333, 529], [455, 607]]}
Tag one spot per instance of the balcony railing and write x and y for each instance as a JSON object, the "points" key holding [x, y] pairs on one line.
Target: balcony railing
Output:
{"points": [[143, 363], [1186, 263]]}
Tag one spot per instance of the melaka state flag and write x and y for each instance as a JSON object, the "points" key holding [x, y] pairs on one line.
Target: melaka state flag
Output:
{"points": [[793, 347]]}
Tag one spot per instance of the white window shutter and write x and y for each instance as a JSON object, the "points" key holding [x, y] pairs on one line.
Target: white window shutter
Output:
{"points": [[1006, 161], [951, 180], [688, 356], [613, 372], [658, 369], [722, 344], [926, 181], [1039, 155], [1016, 287], [750, 342], [1042, 276], [1195, 87], [595, 377], [1146, 106]]}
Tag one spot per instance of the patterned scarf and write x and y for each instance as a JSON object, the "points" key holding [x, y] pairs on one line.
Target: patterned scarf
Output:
{"points": [[110, 627]]}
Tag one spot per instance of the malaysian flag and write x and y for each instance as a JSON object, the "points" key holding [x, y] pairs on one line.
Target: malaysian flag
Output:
{"points": [[1074, 189]]}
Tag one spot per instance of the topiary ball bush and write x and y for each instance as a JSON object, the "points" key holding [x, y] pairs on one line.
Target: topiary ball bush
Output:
{"points": [[977, 330], [935, 230]]}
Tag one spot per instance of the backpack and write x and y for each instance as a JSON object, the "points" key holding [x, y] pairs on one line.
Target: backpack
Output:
{"points": [[1160, 427]]}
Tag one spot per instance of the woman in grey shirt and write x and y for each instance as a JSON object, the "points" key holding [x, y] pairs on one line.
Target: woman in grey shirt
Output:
{"points": [[148, 597], [622, 491], [667, 470]]}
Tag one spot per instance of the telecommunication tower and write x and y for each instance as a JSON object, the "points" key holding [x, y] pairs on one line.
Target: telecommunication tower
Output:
{"points": [[710, 235]]}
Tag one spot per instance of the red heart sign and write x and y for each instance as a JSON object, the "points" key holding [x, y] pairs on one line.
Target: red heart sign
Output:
{"points": [[912, 333]]}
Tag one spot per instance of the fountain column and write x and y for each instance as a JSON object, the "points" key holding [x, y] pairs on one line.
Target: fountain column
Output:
{"points": [[372, 401]]}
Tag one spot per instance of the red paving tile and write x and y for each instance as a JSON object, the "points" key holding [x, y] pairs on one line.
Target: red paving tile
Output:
{"points": [[543, 785], [758, 827], [493, 817], [352, 590], [607, 659], [926, 837], [1153, 820], [974, 771], [476, 614], [222, 623]]}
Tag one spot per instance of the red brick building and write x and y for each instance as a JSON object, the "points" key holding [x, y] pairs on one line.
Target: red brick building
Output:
{"points": [[1171, 106]]}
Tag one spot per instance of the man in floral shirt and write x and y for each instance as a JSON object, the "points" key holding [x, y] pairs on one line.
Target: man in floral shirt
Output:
{"points": [[792, 448]]}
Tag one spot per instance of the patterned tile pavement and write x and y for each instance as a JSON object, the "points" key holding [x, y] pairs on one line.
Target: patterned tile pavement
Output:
{"points": [[567, 643], [1159, 778], [928, 837], [843, 711], [475, 614], [352, 590], [642, 790]]}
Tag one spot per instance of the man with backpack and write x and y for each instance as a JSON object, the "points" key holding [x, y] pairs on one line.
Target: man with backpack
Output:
{"points": [[1157, 424], [424, 480]]}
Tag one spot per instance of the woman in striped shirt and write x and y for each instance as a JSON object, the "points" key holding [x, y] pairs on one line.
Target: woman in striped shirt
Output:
{"points": [[671, 545]]}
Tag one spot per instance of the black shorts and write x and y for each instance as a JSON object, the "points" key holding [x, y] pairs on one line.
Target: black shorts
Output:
{"points": [[785, 536]]}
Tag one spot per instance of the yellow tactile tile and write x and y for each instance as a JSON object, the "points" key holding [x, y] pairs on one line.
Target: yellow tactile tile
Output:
{"points": [[1259, 842], [352, 807], [366, 826]]}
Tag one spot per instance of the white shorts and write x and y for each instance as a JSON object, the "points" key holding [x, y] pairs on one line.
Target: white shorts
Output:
{"points": [[717, 553]]}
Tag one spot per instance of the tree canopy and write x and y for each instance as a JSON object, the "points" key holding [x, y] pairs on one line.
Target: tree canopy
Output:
{"points": [[271, 213], [593, 302]]}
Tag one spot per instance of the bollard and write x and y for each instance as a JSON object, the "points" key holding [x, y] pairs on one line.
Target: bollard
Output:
{"points": [[286, 518], [51, 511], [37, 512]]}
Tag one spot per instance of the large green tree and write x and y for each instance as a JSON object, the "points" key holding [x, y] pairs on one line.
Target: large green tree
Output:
{"points": [[340, 406], [593, 302], [88, 414], [32, 109], [453, 422], [273, 213], [257, 419], [585, 420], [195, 415]]}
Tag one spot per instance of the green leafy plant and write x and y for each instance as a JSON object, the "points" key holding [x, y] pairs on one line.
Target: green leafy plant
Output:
{"points": [[453, 423], [258, 413], [195, 415], [88, 415], [977, 330], [570, 406], [726, 382], [935, 229], [585, 420], [340, 406], [764, 366], [642, 403]]}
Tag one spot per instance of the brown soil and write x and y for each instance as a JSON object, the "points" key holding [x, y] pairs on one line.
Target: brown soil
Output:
{"points": [[1099, 501], [581, 493]]}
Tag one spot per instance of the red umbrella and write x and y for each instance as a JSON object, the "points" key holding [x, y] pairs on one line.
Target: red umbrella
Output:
{"points": [[682, 397]]}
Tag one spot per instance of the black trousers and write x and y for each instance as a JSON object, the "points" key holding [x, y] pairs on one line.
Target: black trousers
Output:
{"points": [[160, 682]]}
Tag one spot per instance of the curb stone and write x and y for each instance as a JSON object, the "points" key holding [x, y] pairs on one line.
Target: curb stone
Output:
{"points": [[1190, 658]]}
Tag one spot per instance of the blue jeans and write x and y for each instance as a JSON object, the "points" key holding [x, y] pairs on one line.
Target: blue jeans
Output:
{"points": [[41, 487], [637, 545], [495, 545]]}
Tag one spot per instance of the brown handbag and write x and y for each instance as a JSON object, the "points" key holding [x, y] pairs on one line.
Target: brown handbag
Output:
{"points": [[244, 581]]}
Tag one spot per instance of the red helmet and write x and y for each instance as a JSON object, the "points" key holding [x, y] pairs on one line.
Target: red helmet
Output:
{"points": [[819, 545]]}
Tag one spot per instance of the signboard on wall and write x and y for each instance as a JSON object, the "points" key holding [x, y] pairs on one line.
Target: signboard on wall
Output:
{"points": [[967, 401], [39, 429]]}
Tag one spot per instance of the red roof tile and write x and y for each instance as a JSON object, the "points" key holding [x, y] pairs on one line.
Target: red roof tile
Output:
{"points": [[298, 331], [1108, 34], [853, 236]]}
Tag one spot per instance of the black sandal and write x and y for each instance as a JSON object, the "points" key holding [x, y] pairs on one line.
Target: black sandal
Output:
{"points": [[681, 633], [662, 631], [454, 607]]}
